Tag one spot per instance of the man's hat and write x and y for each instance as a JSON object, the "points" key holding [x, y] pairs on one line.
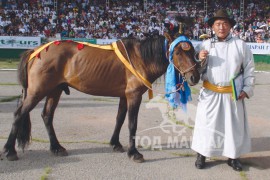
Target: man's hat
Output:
{"points": [[221, 14]]}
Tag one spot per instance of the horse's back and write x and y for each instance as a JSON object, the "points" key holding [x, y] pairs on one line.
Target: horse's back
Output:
{"points": [[89, 69]]}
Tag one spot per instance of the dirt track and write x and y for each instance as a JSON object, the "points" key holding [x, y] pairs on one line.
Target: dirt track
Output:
{"points": [[84, 125]]}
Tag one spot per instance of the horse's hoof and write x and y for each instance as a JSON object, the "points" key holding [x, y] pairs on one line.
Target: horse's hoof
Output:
{"points": [[138, 158], [119, 149], [12, 157], [60, 152]]}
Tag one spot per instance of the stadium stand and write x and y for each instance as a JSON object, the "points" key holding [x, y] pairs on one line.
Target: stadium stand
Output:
{"points": [[93, 19]]}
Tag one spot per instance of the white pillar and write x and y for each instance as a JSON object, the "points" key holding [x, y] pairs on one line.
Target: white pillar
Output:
{"points": [[145, 5], [205, 7], [107, 4], [242, 9], [55, 5]]}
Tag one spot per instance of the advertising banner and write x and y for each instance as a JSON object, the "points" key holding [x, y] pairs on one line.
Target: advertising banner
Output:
{"points": [[259, 48], [92, 41], [19, 42], [105, 41], [256, 48]]}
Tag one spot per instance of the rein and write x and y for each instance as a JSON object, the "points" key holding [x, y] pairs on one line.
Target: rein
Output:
{"points": [[184, 72], [175, 43]]}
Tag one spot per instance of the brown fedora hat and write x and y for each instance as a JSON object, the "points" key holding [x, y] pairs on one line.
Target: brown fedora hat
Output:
{"points": [[221, 14]]}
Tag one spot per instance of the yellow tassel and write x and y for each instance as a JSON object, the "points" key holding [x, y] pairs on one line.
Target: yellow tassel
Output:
{"points": [[150, 94]]}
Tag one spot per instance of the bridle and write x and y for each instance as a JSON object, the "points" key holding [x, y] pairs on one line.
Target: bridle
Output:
{"points": [[171, 50], [186, 70]]}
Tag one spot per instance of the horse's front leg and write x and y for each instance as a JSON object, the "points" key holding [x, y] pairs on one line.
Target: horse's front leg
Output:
{"points": [[134, 103], [122, 111]]}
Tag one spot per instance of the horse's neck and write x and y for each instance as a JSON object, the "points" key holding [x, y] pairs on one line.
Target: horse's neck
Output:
{"points": [[155, 71], [152, 70]]}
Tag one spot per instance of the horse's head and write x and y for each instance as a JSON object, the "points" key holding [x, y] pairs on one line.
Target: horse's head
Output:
{"points": [[184, 61], [182, 55]]}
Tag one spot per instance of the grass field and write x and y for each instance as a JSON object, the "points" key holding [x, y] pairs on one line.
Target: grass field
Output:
{"points": [[13, 64], [9, 63], [262, 67]]}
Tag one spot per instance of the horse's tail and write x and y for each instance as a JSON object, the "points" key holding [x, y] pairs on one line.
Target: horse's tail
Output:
{"points": [[22, 69], [24, 127]]}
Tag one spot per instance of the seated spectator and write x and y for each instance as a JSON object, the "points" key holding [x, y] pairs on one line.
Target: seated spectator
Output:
{"points": [[121, 18], [259, 38]]}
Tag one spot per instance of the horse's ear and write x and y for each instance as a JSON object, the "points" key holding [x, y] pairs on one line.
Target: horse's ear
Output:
{"points": [[183, 26], [188, 34], [168, 37], [186, 21]]}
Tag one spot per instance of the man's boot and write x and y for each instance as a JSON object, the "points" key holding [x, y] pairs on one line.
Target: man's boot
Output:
{"points": [[235, 164], [200, 162]]}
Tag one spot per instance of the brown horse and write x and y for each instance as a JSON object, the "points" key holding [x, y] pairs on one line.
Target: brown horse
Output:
{"points": [[94, 71]]}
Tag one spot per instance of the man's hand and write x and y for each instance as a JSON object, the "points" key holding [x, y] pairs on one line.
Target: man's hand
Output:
{"points": [[242, 95], [203, 55]]}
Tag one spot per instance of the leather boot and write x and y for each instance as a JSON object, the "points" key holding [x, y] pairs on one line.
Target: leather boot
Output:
{"points": [[200, 162], [235, 164]]}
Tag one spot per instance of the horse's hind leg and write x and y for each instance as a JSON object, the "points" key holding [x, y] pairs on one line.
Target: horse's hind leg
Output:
{"points": [[47, 115], [121, 115], [21, 127]]}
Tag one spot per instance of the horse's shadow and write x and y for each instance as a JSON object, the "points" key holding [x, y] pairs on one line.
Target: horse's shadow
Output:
{"points": [[90, 150], [38, 159]]}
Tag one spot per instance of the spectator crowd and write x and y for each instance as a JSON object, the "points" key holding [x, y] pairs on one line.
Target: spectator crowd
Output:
{"points": [[120, 18]]}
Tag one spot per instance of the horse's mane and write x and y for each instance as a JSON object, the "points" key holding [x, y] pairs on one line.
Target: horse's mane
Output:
{"points": [[152, 50]]}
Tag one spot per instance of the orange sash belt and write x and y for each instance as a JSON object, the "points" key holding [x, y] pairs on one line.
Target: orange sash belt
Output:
{"points": [[217, 89]]}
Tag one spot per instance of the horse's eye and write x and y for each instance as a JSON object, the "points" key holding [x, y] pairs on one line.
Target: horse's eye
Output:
{"points": [[177, 52]]}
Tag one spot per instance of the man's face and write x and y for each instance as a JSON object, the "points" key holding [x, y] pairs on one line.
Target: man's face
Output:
{"points": [[221, 27]]}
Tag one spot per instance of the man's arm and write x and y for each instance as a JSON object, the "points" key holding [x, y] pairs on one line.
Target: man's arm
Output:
{"points": [[248, 75]]}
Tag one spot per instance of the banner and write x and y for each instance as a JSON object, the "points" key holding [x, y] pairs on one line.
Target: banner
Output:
{"points": [[256, 48], [259, 48], [19, 42], [92, 41], [105, 41]]}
